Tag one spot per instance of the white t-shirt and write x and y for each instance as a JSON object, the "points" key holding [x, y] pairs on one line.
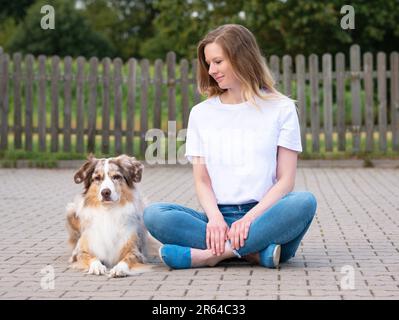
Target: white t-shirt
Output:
{"points": [[239, 144]]}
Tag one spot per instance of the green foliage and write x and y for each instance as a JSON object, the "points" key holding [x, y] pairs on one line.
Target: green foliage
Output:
{"points": [[72, 34]]}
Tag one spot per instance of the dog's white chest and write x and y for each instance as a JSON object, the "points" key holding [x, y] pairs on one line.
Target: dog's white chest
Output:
{"points": [[108, 231]]}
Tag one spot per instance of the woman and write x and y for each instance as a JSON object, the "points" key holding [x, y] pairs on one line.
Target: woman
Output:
{"points": [[243, 143]]}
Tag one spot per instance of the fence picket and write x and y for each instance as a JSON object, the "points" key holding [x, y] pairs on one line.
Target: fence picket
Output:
{"points": [[382, 100], [394, 63], [340, 92], [42, 103], [55, 78], [17, 57], [301, 97], [369, 102], [327, 101], [355, 92], [4, 105], [314, 101], [145, 79], [80, 85], [118, 105], [67, 103], [131, 103], [29, 65], [106, 62]]}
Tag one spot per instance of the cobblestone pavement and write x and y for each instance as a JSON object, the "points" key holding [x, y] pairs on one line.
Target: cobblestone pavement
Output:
{"points": [[350, 251]]}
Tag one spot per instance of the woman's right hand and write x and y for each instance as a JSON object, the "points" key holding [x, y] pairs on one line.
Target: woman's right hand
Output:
{"points": [[216, 235]]}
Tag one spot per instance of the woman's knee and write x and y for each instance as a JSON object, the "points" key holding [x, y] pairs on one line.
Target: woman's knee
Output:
{"points": [[152, 214], [306, 201]]}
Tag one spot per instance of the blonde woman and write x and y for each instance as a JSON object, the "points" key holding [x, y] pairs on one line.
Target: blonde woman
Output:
{"points": [[243, 142]]}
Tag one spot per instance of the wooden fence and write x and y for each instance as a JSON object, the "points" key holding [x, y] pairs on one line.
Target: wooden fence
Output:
{"points": [[80, 108]]}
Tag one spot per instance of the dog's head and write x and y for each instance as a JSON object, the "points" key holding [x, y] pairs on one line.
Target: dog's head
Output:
{"points": [[109, 181]]}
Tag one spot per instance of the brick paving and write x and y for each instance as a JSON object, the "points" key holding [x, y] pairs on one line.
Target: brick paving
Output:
{"points": [[350, 251]]}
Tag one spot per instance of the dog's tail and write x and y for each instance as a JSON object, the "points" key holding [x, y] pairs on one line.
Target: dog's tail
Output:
{"points": [[72, 224]]}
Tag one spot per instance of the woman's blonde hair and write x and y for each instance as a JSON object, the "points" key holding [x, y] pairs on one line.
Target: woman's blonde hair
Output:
{"points": [[249, 66]]}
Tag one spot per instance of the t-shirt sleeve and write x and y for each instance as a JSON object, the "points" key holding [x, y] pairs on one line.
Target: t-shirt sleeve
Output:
{"points": [[290, 133], [193, 140]]}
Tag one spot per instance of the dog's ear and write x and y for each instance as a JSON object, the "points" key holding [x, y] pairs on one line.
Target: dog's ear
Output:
{"points": [[132, 168], [86, 169]]}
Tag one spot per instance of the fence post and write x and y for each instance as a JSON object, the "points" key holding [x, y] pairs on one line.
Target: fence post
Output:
{"points": [[118, 105], [340, 91], [55, 77], [105, 106], [275, 69], [287, 74], [314, 101], [301, 97], [382, 100], [17, 57], [29, 65], [92, 116], [171, 61], [369, 103], [80, 84], [395, 99], [355, 91], [184, 91], [42, 103], [145, 80], [67, 103], [131, 103], [4, 59], [327, 101]]}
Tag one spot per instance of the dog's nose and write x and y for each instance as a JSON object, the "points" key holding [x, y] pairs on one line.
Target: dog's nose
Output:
{"points": [[106, 193]]}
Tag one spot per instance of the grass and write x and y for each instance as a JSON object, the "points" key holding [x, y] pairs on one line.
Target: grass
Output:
{"points": [[47, 159]]}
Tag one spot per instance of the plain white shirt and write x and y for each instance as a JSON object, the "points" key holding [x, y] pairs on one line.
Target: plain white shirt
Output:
{"points": [[239, 144]]}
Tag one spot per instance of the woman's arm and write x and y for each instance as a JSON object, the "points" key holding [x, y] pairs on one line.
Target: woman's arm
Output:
{"points": [[204, 190], [286, 172], [217, 228]]}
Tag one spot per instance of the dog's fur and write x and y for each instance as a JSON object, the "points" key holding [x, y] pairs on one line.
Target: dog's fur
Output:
{"points": [[105, 223]]}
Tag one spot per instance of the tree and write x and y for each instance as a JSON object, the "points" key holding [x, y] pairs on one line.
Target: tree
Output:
{"points": [[72, 34]]}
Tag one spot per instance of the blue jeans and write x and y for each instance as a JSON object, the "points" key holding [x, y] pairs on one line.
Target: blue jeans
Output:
{"points": [[285, 223]]}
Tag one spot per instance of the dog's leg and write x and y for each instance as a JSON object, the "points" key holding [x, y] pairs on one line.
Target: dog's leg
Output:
{"points": [[86, 261], [132, 261]]}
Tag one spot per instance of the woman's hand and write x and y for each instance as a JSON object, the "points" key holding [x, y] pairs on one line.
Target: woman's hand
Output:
{"points": [[239, 231], [216, 235]]}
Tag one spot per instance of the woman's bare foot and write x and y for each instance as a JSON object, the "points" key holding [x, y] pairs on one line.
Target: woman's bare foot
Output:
{"points": [[205, 258]]}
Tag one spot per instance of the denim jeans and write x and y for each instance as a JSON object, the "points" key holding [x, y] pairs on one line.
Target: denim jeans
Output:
{"points": [[284, 223]]}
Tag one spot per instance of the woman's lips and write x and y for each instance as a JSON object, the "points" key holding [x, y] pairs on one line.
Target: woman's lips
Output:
{"points": [[219, 78]]}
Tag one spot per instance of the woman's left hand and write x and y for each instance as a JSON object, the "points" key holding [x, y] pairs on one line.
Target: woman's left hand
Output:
{"points": [[239, 229]]}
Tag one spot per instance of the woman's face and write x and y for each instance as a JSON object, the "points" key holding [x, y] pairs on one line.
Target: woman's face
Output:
{"points": [[219, 67]]}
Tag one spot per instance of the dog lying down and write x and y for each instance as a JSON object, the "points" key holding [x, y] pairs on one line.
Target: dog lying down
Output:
{"points": [[105, 223]]}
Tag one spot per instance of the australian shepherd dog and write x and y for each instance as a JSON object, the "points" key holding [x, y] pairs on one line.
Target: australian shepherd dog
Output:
{"points": [[105, 223]]}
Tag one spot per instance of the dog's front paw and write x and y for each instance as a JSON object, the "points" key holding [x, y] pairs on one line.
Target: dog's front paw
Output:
{"points": [[120, 270], [96, 267]]}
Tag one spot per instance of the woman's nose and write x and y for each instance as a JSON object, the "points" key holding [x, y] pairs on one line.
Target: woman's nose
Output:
{"points": [[212, 69]]}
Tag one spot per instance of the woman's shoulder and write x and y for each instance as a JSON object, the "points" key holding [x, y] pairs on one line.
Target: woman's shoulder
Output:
{"points": [[203, 106]]}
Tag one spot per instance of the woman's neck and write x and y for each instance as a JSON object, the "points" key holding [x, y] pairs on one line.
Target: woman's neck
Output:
{"points": [[232, 96]]}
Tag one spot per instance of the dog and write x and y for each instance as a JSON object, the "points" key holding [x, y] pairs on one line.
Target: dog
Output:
{"points": [[105, 223]]}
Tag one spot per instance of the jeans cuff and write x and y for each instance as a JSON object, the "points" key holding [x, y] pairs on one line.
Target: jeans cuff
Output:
{"points": [[234, 250]]}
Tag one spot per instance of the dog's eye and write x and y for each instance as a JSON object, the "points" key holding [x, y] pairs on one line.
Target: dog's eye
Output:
{"points": [[117, 177], [97, 178]]}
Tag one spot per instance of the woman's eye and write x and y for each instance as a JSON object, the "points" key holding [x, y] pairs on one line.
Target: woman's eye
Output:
{"points": [[218, 62]]}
